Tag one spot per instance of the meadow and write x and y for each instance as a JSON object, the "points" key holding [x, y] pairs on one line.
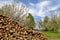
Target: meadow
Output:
{"points": [[51, 35]]}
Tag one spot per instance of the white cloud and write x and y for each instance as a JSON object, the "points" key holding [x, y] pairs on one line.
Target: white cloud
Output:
{"points": [[31, 11], [35, 9], [42, 8], [32, 4], [54, 8], [39, 8], [44, 3], [2, 3]]}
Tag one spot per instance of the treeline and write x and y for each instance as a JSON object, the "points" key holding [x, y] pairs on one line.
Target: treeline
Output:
{"points": [[51, 23], [19, 13]]}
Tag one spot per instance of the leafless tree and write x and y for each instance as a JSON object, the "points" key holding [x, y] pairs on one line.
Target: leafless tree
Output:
{"points": [[15, 11]]}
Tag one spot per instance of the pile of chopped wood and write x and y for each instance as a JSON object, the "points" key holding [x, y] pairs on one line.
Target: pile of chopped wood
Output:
{"points": [[11, 30]]}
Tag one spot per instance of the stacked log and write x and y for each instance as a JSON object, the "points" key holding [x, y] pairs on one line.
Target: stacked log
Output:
{"points": [[11, 30]]}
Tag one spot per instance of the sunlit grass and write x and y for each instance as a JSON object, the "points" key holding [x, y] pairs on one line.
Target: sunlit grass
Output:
{"points": [[51, 34]]}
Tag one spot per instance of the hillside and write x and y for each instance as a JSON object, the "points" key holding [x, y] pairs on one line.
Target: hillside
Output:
{"points": [[11, 30]]}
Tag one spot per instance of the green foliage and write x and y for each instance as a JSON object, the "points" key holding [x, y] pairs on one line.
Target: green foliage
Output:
{"points": [[46, 19], [1, 12], [52, 23], [30, 21]]}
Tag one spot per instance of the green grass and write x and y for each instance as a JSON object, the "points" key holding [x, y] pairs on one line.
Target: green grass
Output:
{"points": [[51, 34]]}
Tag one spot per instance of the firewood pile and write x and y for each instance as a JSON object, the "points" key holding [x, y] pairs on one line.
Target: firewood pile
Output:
{"points": [[11, 30]]}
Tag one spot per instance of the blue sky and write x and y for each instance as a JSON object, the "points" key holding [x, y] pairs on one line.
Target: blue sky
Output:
{"points": [[38, 8]]}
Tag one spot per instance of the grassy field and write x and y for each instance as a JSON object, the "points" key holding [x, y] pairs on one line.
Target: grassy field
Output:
{"points": [[52, 35]]}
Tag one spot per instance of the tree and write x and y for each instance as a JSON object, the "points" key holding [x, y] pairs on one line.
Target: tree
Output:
{"points": [[15, 11], [41, 23], [53, 23], [56, 22], [19, 14], [1, 12], [46, 19], [30, 21]]}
